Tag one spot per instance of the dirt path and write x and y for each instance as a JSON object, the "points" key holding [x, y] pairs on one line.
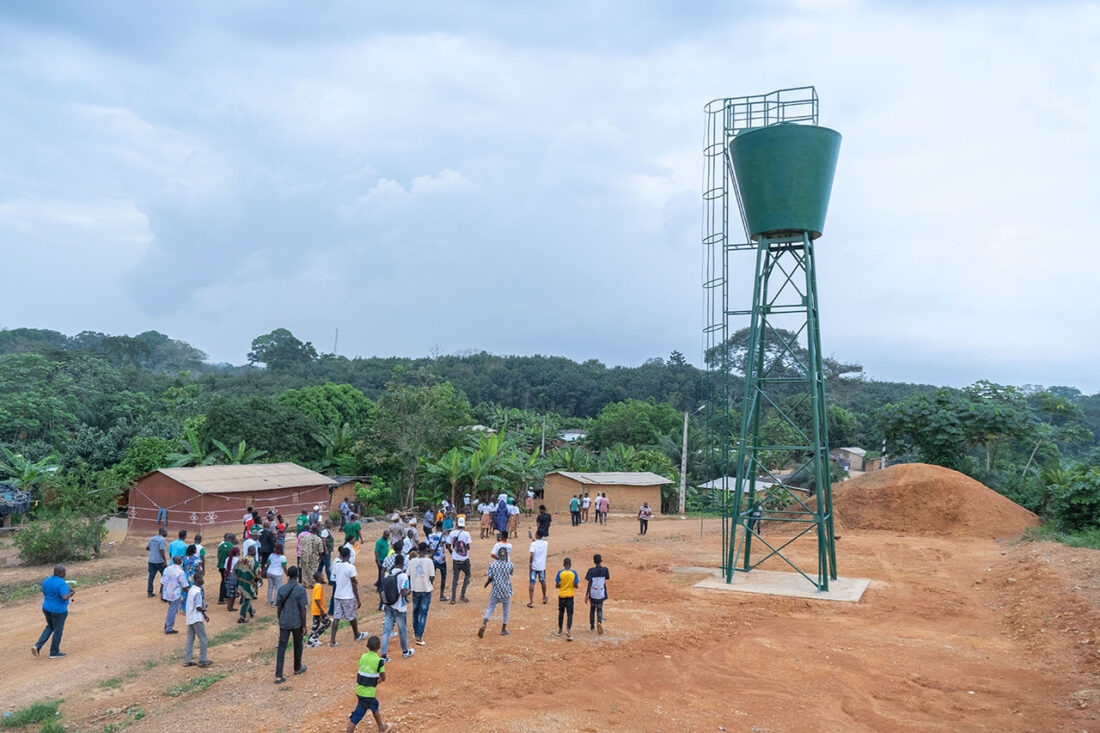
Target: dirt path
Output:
{"points": [[943, 640]]}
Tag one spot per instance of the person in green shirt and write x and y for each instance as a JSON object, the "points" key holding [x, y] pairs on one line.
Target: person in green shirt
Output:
{"points": [[302, 521], [381, 551], [352, 530], [223, 555], [371, 673]]}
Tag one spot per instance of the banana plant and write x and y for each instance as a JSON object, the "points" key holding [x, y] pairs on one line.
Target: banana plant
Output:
{"points": [[25, 474], [236, 456], [451, 467], [195, 452]]}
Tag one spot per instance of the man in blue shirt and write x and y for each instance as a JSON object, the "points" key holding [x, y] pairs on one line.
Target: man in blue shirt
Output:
{"points": [[158, 556], [55, 605], [178, 547]]}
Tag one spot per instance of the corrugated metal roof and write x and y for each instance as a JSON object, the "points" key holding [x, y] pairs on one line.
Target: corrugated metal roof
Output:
{"points": [[855, 451], [618, 478], [251, 477]]}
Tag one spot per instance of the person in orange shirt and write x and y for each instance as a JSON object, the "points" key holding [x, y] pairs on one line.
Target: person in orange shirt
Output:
{"points": [[566, 582], [317, 606]]}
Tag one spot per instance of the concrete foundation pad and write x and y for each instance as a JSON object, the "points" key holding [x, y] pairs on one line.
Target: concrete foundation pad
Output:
{"points": [[772, 583]]}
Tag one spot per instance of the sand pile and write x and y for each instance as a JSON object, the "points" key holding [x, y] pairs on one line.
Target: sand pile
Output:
{"points": [[924, 499]]}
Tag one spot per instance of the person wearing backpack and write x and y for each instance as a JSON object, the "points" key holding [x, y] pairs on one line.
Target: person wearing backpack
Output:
{"points": [[437, 542], [459, 542], [395, 589]]}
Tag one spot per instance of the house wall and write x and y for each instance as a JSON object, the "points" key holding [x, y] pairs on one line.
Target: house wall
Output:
{"points": [[559, 490], [213, 514]]}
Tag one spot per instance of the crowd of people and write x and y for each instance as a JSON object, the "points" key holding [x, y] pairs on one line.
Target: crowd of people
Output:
{"points": [[409, 567]]}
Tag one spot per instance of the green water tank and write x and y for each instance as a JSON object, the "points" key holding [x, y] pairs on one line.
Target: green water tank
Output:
{"points": [[785, 176]]}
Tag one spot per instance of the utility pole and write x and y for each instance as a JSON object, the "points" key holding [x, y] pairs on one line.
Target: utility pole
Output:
{"points": [[684, 461], [542, 449]]}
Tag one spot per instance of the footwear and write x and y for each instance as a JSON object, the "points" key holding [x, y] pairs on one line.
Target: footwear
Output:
{"points": [[530, 605], [59, 655], [149, 595], [240, 621], [280, 680], [569, 636], [302, 670], [559, 632], [545, 601], [406, 654], [599, 628], [334, 643], [363, 635], [206, 664], [464, 600], [220, 603], [591, 628], [452, 601], [505, 632], [481, 632], [35, 650], [170, 631], [385, 660], [442, 598], [189, 664], [420, 642]]}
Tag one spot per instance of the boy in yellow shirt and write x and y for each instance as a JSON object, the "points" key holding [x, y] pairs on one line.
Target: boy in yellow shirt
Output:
{"points": [[317, 606], [566, 582]]}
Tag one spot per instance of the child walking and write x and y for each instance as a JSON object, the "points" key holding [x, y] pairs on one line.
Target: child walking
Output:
{"points": [[596, 593], [372, 672], [320, 618]]}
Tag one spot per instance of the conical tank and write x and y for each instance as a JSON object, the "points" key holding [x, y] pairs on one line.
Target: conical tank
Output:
{"points": [[785, 176]]}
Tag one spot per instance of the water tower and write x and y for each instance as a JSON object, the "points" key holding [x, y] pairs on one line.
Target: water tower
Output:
{"points": [[767, 423]]}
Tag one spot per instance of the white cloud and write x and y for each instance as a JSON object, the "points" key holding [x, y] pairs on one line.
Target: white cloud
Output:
{"points": [[536, 164]]}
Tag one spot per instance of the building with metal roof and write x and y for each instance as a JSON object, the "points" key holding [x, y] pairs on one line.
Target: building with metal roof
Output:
{"points": [[204, 498], [626, 490]]}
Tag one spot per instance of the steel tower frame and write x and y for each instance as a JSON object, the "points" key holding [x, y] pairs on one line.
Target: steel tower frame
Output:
{"points": [[784, 293]]}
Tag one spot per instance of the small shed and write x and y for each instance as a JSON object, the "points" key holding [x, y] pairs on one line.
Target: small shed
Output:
{"points": [[206, 498], [854, 457], [625, 490]]}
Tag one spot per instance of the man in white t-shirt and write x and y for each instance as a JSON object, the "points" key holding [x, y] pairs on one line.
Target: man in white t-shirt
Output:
{"points": [[421, 574], [502, 542], [195, 609], [459, 544], [396, 611], [586, 502], [345, 596], [537, 566]]}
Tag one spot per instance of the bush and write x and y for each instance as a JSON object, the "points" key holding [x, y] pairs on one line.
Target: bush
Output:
{"points": [[1075, 498], [373, 499], [60, 538]]}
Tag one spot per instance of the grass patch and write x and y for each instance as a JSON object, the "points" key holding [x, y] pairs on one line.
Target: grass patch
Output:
{"points": [[236, 632], [132, 715], [39, 712], [1089, 538], [195, 684]]}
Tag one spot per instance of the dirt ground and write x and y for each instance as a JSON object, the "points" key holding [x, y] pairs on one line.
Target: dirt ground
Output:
{"points": [[952, 634]]}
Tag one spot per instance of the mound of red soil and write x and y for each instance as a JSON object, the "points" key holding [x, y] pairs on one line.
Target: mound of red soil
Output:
{"points": [[923, 499]]}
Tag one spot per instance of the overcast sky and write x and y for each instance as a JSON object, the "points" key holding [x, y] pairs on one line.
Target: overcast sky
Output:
{"points": [[525, 177]]}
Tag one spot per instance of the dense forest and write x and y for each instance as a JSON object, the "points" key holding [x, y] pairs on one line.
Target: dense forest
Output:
{"points": [[82, 416]]}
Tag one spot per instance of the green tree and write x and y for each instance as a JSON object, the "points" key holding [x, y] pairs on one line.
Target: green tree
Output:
{"points": [[332, 404], [415, 421], [634, 422], [280, 350]]}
